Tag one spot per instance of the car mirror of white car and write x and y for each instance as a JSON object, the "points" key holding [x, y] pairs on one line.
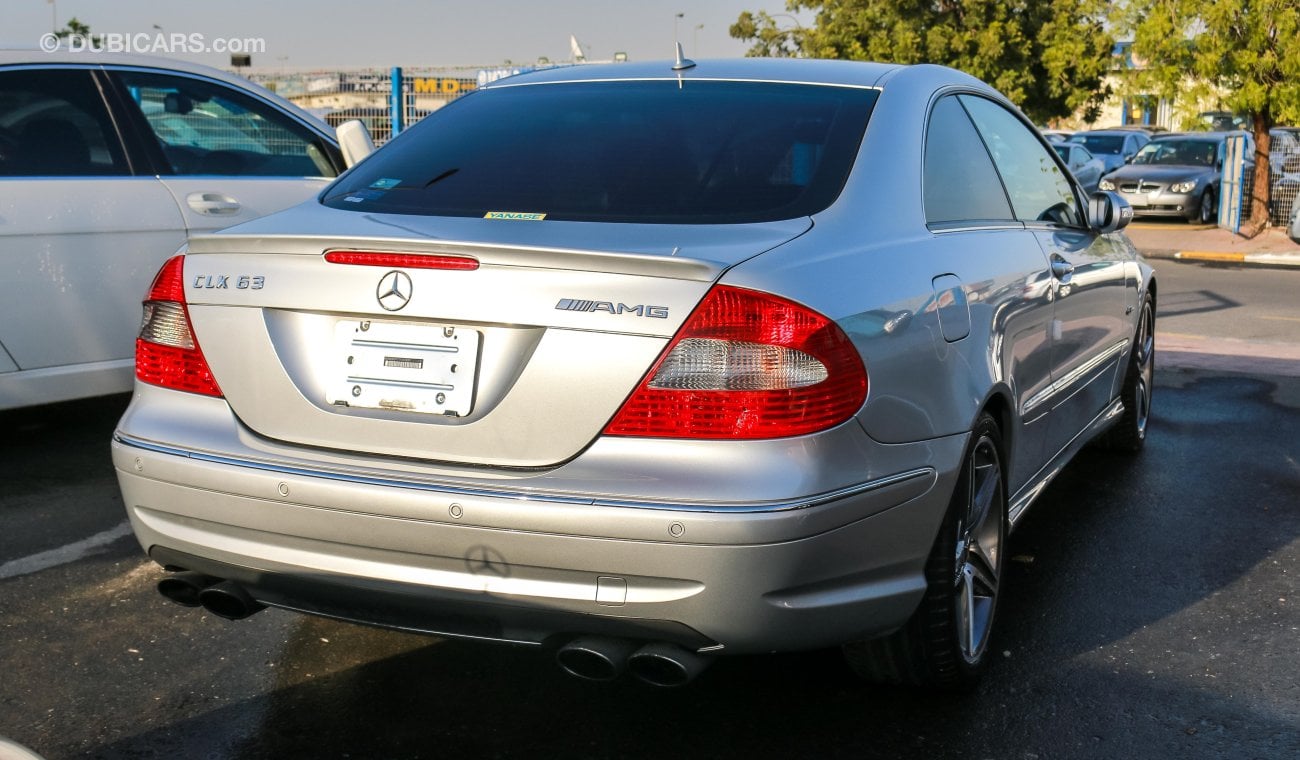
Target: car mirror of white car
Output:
{"points": [[354, 141], [1108, 212]]}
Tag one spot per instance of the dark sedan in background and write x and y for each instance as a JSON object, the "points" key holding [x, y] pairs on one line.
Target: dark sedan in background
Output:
{"points": [[1176, 176], [1115, 147]]}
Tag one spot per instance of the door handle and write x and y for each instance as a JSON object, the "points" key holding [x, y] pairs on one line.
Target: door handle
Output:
{"points": [[214, 204], [1061, 268]]}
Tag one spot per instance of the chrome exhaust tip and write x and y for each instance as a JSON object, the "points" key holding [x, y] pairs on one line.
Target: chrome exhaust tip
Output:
{"points": [[229, 600], [666, 665], [595, 658], [184, 587]]}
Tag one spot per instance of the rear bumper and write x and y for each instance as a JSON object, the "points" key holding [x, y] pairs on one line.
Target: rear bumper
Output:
{"points": [[524, 568]]}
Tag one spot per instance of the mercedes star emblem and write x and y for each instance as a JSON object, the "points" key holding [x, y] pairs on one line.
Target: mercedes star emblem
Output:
{"points": [[394, 291]]}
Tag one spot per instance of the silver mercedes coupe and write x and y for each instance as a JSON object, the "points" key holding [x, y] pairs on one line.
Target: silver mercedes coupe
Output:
{"points": [[645, 364]]}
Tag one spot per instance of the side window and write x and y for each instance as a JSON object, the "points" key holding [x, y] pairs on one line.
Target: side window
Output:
{"points": [[1039, 191], [205, 128], [54, 124], [960, 183]]}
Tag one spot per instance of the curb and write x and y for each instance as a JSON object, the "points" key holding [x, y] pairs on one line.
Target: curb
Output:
{"points": [[1259, 259]]}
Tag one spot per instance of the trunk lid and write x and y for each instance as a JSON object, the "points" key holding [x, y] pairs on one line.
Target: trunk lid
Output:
{"points": [[518, 363]]}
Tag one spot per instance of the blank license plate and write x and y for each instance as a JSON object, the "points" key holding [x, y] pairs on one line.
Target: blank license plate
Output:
{"points": [[429, 369]]}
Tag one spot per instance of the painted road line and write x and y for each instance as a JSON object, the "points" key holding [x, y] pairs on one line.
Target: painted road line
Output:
{"points": [[64, 554]]}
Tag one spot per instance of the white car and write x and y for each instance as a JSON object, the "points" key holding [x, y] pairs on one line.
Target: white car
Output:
{"points": [[107, 163]]}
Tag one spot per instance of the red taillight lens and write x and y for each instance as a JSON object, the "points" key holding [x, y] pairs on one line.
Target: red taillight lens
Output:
{"points": [[747, 365], [402, 260], [166, 353]]}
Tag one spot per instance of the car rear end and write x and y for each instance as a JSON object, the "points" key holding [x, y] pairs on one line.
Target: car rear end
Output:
{"points": [[527, 423]]}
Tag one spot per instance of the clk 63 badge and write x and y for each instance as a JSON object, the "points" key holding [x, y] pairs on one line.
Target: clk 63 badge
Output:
{"points": [[229, 282]]}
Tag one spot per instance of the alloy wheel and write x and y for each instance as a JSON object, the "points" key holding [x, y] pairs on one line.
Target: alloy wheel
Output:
{"points": [[979, 550]]}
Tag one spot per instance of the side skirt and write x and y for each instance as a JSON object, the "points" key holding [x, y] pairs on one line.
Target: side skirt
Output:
{"points": [[1023, 498]]}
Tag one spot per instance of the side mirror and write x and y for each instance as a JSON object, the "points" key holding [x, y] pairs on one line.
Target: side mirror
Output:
{"points": [[1108, 212], [354, 141]]}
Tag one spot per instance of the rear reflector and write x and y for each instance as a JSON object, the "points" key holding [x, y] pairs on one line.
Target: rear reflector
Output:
{"points": [[166, 353], [402, 260], [747, 365]]}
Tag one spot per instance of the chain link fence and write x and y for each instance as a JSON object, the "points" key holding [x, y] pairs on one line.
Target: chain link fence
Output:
{"points": [[1284, 174]]}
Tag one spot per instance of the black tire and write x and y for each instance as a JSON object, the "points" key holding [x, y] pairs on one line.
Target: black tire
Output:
{"points": [[945, 644], [1129, 434], [1207, 212]]}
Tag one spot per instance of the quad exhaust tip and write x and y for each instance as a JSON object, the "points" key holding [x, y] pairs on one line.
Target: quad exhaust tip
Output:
{"points": [[184, 588], [597, 658], [225, 599]]}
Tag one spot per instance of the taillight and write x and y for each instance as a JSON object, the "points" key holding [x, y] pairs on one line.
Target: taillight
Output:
{"points": [[747, 365], [166, 352]]}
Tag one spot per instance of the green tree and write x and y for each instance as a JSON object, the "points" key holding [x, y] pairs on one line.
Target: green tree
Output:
{"points": [[74, 27], [1050, 57], [1242, 55]]}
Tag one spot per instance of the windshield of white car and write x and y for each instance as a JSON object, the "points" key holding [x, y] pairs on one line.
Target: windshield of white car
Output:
{"points": [[647, 152]]}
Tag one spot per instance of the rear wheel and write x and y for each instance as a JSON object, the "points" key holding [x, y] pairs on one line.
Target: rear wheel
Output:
{"points": [[1130, 432], [946, 642]]}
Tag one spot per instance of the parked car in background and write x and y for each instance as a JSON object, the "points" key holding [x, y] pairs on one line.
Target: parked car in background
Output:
{"points": [[1176, 176], [646, 364], [1056, 135], [107, 163], [1085, 167], [1115, 147]]}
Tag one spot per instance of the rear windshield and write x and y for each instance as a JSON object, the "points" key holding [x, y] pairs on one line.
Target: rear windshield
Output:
{"points": [[648, 151], [1101, 143]]}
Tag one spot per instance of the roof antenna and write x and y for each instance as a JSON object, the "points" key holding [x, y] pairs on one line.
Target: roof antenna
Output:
{"points": [[683, 63]]}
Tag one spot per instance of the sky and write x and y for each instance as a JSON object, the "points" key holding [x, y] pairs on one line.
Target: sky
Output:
{"points": [[323, 34]]}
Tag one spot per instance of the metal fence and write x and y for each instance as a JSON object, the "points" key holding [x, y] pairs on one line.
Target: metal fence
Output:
{"points": [[1284, 175], [386, 100]]}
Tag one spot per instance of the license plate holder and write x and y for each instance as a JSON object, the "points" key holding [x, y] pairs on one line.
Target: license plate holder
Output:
{"points": [[403, 366]]}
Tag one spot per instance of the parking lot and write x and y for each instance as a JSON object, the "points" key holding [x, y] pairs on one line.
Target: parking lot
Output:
{"points": [[1150, 611]]}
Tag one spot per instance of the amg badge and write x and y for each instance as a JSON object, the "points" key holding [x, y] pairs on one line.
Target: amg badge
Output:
{"points": [[640, 310]]}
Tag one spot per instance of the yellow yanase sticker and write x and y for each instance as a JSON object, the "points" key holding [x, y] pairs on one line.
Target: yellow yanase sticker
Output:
{"points": [[519, 216]]}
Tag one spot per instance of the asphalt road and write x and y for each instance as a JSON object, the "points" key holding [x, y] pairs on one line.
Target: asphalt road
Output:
{"points": [[1152, 610]]}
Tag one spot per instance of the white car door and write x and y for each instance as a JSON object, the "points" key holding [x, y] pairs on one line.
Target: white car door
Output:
{"points": [[226, 155], [80, 239]]}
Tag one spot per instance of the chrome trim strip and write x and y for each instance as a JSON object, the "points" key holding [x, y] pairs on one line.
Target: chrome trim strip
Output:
{"points": [[739, 508], [1073, 376]]}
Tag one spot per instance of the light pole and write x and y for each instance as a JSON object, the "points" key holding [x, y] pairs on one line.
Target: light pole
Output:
{"points": [[676, 19], [695, 40]]}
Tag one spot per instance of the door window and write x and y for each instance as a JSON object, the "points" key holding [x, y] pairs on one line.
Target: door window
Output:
{"points": [[54, 123], [204, 128], [1039, 190], [960, 183]]}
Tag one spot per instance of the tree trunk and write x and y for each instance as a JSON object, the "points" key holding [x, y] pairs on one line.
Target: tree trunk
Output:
{"points": [[1262, 183]]}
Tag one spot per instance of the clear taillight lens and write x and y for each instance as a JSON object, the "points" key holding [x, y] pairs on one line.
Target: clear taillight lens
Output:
{"points": [[166, 353], [747, 365]]}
